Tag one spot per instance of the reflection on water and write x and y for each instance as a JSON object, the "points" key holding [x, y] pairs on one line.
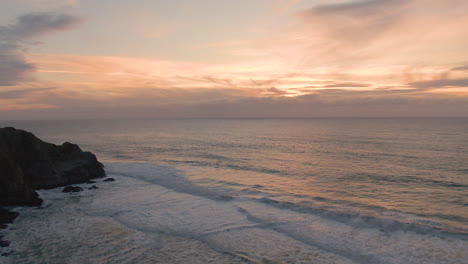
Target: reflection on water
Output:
{"points": [[379, 166]]}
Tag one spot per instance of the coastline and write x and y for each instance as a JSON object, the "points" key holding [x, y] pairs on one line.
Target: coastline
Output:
{"points": [[145, 219], [6, 218], [28, 163]]}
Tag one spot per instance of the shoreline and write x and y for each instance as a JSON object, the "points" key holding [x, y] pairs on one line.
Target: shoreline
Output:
{"points": [[28, 164], [7, 218], [134, 218]]}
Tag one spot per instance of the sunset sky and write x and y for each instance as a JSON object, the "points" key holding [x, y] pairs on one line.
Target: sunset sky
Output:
{"points": [[63, 59]]}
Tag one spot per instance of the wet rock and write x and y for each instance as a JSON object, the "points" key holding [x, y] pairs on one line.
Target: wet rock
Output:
{"points": [[6, 254], [6, 217], [90, 182], [109, 180], [94, 187], [4, 243], [70, 189]]}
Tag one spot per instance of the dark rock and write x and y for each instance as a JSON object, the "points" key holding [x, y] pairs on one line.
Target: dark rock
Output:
{"points": [[69, 189], [89, 182], [109, 180], [6, 254], [13, 188], [6, 217], [27, 163], [94, 187], [4, 243]]}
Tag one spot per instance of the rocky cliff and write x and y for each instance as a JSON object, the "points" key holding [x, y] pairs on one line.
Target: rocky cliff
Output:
{"points": [[28, 163]]}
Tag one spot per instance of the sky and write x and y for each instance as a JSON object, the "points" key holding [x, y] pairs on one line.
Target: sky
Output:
{"points": [[73, 59]]}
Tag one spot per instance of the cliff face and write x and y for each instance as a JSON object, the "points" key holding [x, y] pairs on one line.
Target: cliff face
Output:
{"points": [[27, 163]]}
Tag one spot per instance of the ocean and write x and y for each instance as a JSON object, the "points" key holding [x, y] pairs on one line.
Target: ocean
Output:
{"points": [[332, 190]]}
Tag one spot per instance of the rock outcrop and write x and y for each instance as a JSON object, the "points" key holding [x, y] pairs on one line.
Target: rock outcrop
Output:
{"points": [[6, 217], [28, 163], [72, 189]]}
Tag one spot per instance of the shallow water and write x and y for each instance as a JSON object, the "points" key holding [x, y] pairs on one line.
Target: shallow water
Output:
{"points": [[277, 191]]}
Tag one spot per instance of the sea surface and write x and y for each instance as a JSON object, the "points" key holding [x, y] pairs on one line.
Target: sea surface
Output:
{"points": [[355, 190]]}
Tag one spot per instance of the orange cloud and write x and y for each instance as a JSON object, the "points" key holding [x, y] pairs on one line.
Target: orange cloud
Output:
{"points": [[333, 57]]}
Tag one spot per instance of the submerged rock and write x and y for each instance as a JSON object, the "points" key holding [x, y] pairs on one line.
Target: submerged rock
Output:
{"points": [[94, 187], [28, 163], [109, 180], [69, 189], [4, 243], [6, 254]]}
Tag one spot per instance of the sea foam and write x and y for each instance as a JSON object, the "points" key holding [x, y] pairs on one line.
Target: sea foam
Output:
{"points": [[154, 214]]}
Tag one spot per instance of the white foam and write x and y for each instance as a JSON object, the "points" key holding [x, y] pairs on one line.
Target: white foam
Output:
{"points": [[152, 214], [165, 176], [365, 245]]}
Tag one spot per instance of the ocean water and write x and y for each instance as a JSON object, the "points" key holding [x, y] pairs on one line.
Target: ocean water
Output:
{"points": [[391, 190]]}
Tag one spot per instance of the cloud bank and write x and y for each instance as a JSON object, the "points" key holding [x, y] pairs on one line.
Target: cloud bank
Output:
{"points": [[352, 58], [14, 39]]}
